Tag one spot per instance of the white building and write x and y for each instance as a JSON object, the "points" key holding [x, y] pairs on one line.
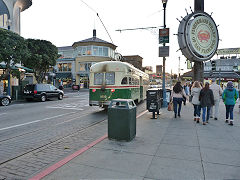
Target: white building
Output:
{"points": [[10, 13]]}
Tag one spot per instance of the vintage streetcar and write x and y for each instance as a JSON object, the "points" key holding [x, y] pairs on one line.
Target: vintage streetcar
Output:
{"points": [[113, 80]]}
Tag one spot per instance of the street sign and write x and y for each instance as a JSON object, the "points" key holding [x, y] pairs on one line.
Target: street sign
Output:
{"points": [[164, 35], [163, 51]]}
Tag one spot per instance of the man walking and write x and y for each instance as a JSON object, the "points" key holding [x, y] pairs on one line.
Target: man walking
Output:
{"points": [[217, 93]]}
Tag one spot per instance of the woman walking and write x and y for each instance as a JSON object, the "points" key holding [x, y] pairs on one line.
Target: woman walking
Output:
{"points": [[230, 95], [177, 97], [206, 101], [195, 92]]}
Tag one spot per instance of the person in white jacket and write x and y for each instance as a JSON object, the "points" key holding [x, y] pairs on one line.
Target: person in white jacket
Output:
{"points": [[217, 93], [195, 92]]}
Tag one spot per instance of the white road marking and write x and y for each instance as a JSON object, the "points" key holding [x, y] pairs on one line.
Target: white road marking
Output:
{"points": [[18, 125], [71, 108], [2, 114]]}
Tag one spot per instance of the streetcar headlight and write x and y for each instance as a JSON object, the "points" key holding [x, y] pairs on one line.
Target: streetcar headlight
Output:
{"points": [[112, 90], [93, 90]]}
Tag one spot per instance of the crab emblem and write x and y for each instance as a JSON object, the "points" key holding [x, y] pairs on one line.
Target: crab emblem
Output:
{"points": [[203, 36]]}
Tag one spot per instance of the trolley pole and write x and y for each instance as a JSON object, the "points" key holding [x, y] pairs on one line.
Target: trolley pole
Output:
{"points": [[198, 66]]}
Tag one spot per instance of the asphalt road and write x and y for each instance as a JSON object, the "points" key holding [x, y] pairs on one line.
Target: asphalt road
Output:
{"points": [[34, 135]]}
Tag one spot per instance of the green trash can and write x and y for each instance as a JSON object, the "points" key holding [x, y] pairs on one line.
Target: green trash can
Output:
{"points": [[122, 119]]}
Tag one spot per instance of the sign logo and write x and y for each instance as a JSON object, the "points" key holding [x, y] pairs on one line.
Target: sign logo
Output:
{"points": [[198, 36], [203, 36]]}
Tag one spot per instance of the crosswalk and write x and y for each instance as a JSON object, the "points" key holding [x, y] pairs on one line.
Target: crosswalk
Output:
{"points": [[71, 106]]}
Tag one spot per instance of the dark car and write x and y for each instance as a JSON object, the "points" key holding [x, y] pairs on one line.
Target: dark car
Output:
{"points": [[41, 92], [5, 100]]}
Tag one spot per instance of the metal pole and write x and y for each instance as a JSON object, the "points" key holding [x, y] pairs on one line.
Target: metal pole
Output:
{"points": [[198, 66], [164, 60]]}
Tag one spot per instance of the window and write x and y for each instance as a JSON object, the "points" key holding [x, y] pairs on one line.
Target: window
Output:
{"points": [[124, 80], [95, 50], [69, 66], [130, 81], [4, 15], [84, 51], [98, 78], [89, 50], [105, 51], [100, 51], [65, 67], [82, 67], [110, 78], [60, 67]]}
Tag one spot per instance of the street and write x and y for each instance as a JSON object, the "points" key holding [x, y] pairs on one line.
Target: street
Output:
{"points": [[34, 135]]}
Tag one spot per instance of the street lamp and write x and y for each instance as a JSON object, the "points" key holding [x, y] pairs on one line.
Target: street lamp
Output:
{"points": [[164, 2]]}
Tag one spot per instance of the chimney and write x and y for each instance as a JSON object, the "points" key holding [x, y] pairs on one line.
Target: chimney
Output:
{"points": [[94, 33]]}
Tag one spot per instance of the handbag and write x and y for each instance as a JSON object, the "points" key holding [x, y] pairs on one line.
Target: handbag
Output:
{"points": [[170, 106]]}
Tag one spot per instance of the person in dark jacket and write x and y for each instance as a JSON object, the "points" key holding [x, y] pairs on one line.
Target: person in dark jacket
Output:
{"points": [[206, 101], [229, 96]]}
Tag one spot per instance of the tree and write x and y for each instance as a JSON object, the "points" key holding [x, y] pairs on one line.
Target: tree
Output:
{"points": [[13, 48], [43, 54]]}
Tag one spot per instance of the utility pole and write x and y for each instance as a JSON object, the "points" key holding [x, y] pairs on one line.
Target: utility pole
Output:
{"points": [[198, 66], [179, 69]]}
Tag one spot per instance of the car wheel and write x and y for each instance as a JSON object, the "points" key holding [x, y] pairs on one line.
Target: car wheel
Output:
{"points": [[5, 102], [43, 98], [60, 96]]}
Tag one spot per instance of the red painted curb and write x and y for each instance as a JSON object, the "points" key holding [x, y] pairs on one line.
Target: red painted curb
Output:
{"points": [[70, 157], [67, 159]]}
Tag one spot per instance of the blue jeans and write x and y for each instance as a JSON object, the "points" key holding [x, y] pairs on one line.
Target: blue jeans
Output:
{"points": [[177, 101], [197, 110], [204, 113], [229, 111]]}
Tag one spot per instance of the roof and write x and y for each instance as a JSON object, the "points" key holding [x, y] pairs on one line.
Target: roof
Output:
{"points": [[25, 4], [94, 40], [65, 48], [65, 59]]}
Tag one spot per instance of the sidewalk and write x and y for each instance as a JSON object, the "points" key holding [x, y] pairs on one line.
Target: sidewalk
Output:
{"points": [[165, 148]]}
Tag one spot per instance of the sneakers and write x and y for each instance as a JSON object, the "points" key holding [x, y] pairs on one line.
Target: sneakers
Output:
{"points": [[198, 119], [231, 123], [226, 121], [175, 115], [204, 123]]}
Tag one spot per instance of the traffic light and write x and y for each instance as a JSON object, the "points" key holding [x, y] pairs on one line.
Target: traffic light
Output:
{"points": [[213, 65]]}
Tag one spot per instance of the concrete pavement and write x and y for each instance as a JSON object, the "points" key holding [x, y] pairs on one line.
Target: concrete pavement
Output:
{"points": [[164, 148]]}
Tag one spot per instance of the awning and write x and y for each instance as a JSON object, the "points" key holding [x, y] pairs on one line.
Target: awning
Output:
{"points": [[63, 75], [3, 66]]}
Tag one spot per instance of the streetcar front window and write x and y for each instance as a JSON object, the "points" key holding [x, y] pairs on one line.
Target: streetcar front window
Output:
{"points": [[98, 78], [124, 81], [110, 78]]}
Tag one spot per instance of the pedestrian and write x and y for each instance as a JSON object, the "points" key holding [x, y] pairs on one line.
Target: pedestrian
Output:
{"points": [[177, 97], [229, 96], [186, 90], [195, 92], [217, 93], [206, 101]]}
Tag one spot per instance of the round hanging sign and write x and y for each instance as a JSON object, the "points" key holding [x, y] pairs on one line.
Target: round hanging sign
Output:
{"points": [[198, 36]]}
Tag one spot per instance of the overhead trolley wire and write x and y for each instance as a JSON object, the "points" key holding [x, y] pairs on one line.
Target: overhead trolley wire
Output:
{"points": [[99, 19]]}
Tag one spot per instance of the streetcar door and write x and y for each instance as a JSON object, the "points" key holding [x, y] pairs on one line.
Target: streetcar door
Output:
{"points": [[141, 88]]}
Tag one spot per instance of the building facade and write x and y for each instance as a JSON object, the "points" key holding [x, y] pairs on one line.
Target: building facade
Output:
{"points": [[80, 57], [10, 19], [10, 13]]}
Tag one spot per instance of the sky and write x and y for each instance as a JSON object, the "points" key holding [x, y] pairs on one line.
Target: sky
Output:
{"points": [[64, 22]]}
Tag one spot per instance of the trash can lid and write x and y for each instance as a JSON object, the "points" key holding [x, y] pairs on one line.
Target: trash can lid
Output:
{"points": [[122, 103]]}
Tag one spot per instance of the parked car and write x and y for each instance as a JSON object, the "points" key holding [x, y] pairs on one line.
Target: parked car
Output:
{"points": [[41, 92], [5, 100]]}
